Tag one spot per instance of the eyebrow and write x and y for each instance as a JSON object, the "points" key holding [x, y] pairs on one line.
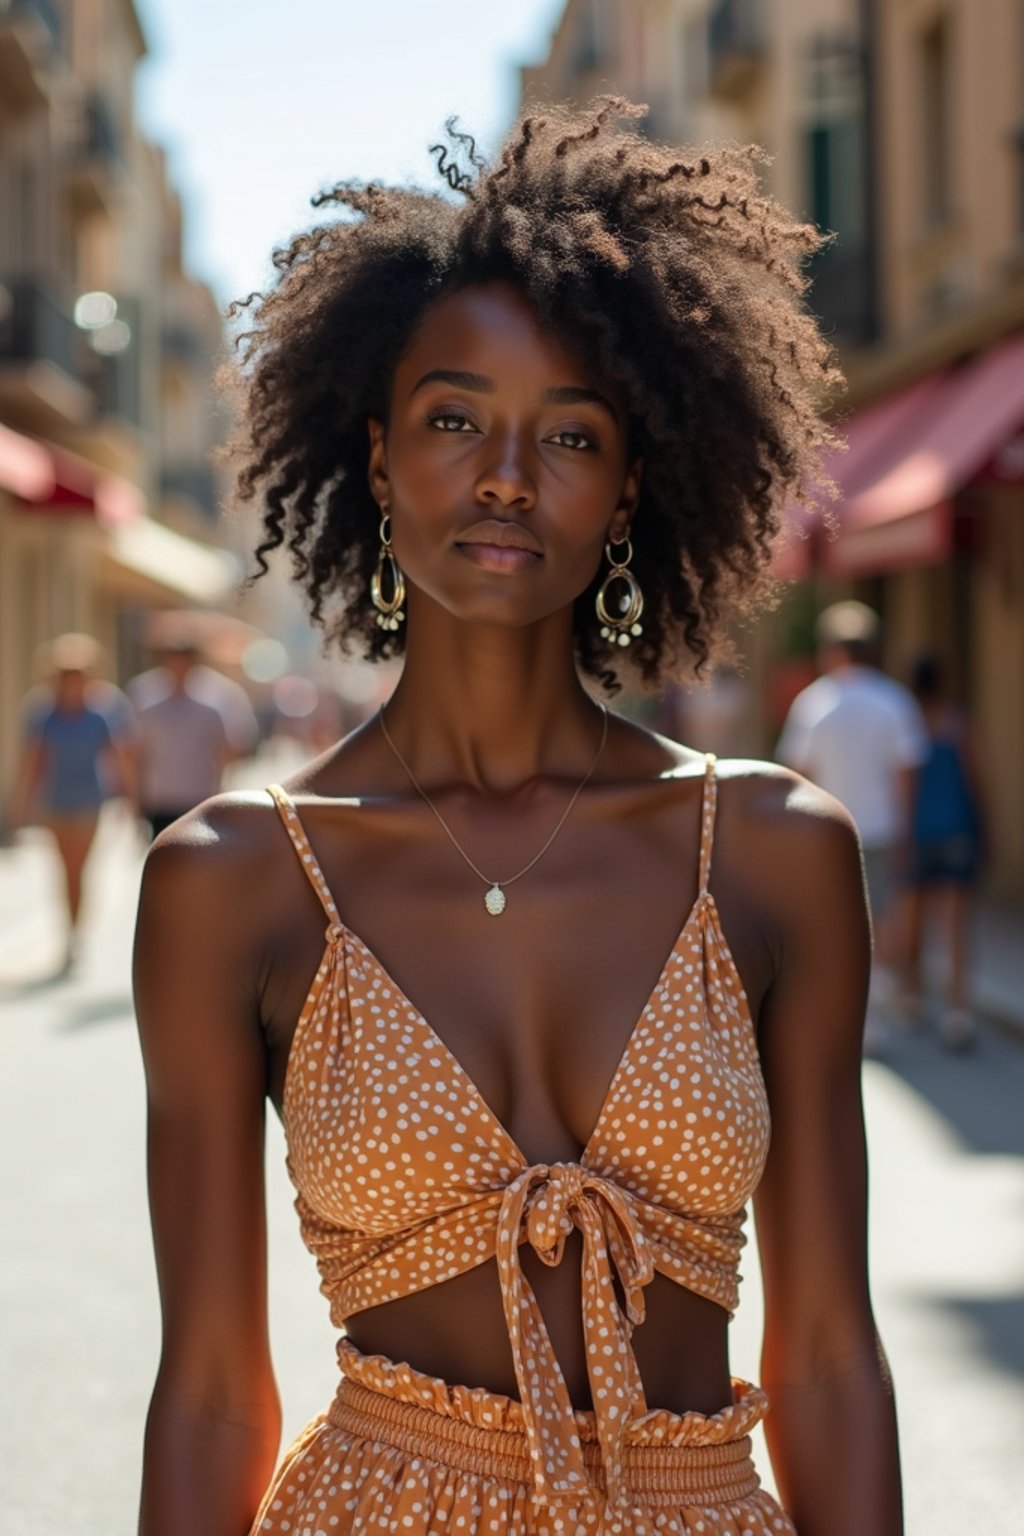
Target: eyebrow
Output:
{"points": [[575, 394], [479, 383]]}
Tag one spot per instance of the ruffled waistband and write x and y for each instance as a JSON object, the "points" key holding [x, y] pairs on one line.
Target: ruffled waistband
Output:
{"points": [[668, 1458]]}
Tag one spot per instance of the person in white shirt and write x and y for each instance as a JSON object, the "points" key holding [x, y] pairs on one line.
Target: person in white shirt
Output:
{"points": [[860, 735], [191, 722]]}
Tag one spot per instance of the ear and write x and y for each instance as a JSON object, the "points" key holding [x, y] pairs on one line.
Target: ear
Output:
{"points": [[622, 517], [377, 468]]}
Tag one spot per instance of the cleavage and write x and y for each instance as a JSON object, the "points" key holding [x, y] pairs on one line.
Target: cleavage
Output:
{"points": [[538, 1025]]}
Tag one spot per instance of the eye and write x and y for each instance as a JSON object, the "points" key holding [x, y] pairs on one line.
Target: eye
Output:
{"points": [[449, 421], [572, 438]]}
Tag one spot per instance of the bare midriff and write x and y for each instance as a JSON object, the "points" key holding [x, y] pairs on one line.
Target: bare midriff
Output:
{"points": [[457, 1331]]}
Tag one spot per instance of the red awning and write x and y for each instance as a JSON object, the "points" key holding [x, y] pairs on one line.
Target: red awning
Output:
{"points": [[44, 476], [866, 438], [26, 468], [931, 441]]}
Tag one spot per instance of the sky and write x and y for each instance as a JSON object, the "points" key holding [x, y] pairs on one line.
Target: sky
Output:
{"points": [[260, 103]]}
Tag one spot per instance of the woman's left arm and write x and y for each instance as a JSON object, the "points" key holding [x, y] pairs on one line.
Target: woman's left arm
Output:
{"points": [[832, 1426]]}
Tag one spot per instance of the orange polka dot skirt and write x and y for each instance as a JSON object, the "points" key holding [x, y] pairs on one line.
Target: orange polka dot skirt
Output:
{"points": [[400, 1452]]}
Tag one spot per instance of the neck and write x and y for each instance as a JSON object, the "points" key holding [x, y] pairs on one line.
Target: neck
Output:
{"points": [[491, 707], [846, 668]]}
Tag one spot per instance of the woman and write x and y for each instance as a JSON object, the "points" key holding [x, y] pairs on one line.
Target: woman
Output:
{"points": [[526, 438], [947, 840], [74, 757]]}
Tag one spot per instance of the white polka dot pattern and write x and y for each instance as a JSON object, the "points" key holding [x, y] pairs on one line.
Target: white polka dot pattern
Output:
{"points": [[398, 1451], [406, 1178]]}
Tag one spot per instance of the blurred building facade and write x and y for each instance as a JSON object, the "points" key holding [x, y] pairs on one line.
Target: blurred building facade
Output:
{"points": [[108, 503], [898, 124]]}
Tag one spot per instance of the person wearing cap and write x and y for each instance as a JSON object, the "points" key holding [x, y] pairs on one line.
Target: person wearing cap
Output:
{"points": [[192, 721], [75, 756], [860, 735]]}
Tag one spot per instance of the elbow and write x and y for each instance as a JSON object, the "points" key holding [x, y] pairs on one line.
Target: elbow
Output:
{"points": [[826, 1366], [807, 1353], [248, 1404]]}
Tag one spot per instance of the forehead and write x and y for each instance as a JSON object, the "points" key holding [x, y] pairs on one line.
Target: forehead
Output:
{"points": [[491, 329]]}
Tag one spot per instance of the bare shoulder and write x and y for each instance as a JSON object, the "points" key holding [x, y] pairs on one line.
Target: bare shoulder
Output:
{"points": [[780, 799], [795, 843], [218, 860]]}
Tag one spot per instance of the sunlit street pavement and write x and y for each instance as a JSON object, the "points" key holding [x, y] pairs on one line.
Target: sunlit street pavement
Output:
{"points": [[78, 1308]]}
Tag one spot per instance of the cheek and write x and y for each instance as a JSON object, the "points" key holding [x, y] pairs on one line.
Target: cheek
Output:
{"points": [[427, 479]]}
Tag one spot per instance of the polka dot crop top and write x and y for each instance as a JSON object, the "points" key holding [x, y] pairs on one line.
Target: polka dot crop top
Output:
{"points": [[406, 1178]]}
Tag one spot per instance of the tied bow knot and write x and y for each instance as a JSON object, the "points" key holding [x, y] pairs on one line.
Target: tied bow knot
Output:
{"points": [[543, 1206], [550, 1203]]}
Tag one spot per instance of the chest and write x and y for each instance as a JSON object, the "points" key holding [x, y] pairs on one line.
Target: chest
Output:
{"points": [[74, 739], [588, 976], [385, 1124]]}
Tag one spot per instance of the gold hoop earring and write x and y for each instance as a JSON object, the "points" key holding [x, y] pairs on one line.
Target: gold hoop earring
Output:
{"points": [[390, 610], [620, 621]]}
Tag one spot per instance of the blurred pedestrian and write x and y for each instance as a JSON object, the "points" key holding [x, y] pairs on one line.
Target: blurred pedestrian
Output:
{"points": [[191, 723], [75, 755], [947, 843], [860, 735]]}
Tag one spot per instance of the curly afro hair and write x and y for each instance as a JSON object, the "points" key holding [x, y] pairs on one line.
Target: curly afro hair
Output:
{"points": [[671, 275]]}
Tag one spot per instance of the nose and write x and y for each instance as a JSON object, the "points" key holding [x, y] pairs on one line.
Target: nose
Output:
{"points": [[506, 477]]}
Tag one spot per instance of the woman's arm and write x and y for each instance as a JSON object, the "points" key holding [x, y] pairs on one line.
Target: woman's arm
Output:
{"points": [[27, 778], [832, 1427], [214, 1421]]}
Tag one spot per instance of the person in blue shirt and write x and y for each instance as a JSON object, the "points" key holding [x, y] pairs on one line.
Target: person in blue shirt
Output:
{"points": [[75, 756], [947, 845]]}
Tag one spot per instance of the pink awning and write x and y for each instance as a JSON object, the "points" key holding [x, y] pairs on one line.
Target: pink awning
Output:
{"points": [[869, 436], [948, 442], [907, 458], [25, 466], [916, 539], [878, 434], [47, 477]]}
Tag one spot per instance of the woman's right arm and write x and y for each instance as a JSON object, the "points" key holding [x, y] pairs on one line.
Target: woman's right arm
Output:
{"points": [[214, 1420], [26, 779]]}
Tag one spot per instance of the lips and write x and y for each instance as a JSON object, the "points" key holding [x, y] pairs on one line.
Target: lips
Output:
{"points": [[496, 534], [506, 548]]}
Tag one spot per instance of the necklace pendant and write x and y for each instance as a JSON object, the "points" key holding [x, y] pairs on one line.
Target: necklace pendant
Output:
{"points": [[494, 901]]}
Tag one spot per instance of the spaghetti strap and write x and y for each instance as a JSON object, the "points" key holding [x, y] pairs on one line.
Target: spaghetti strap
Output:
{"points": [[300, 842], [709, 802]]}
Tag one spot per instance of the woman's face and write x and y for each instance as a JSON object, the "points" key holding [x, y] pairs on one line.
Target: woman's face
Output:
{"points": [[504, 464]]}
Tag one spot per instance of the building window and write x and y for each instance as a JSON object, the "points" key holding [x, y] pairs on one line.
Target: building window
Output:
{"points": [[589, 51], [836, 190], [836, 168], [935, 57]]}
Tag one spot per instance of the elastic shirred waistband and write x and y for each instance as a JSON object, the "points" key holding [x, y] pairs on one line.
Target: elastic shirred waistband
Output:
{"points": [[668, 1458]]}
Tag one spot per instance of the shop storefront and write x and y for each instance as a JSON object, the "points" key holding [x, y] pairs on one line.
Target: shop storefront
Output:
{"points": [[78, 551], [931, 533]]}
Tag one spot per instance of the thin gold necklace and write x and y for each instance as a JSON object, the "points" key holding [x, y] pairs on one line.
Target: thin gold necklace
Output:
{"points": [[495, 899]]}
